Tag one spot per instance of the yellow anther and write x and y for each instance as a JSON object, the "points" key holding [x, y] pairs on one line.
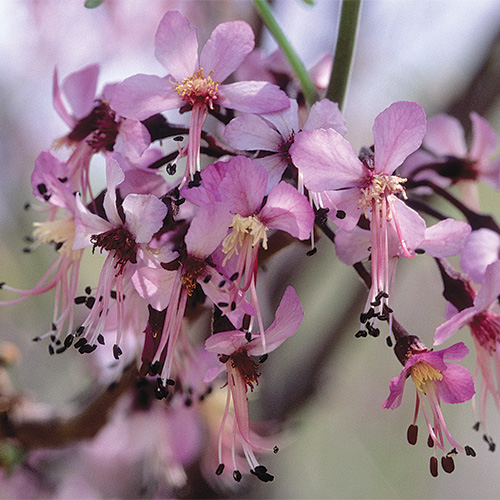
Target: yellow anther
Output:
{"points": [[60, 232], [198, 88], [423, 375]]}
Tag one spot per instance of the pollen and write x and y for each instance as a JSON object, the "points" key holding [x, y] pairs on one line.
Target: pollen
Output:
{"points": [[192, 269], [424, 375], [60, 232], [378, 187], [198, 88], [244, 227]]}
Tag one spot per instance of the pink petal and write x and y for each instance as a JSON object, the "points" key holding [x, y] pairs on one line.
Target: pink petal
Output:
{"points": [[445, 136], [288, 210], [285, 121], [445, 238], [86, 225], [484, 138], [176, 45], [346, 200], [490, 289], [396, 389], [252, 97], [154, 285], [352, 246], [448, 328], [114, 176], [207, 230], [397, 132], [144, 214], [142, 96], [133, 139], [326, 160], [226, 342], [226, 49], [412, 226], [79, 88], [456, 385], [326, 114], [287, 321], [208, 191], [58, 102], [275, 166], [482, 248], [251, 132]]}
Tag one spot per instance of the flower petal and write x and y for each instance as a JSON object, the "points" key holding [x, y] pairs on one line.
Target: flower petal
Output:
{"points": [[491, 287], [456, 386], [448, 328], [154, 285], [79, 88], [227, 48], [397, 132], [484, 138], [445, 136], [445, 238], [144, 214], [482, 248], [326, 114], [251, 132]]}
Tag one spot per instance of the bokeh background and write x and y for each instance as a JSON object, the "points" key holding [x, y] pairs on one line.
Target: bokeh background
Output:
{"points": [[330, 386]]}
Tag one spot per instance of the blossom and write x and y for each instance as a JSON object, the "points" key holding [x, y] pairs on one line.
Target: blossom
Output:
{"points": [[366, 185], [234, 349], [196, 81], [274, 133], [481, 249], [435, 380], [474, 310]]}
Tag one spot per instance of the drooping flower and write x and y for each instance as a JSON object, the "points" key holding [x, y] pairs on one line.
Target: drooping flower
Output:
{"points": [[475, 311], [367, 185], [234, 349], [196, 82], [435, 380]]}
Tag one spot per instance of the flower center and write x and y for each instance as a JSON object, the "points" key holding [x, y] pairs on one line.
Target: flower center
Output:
{"points": [[485, 328], [248, 368], [242, 227], [121, 241], [198, 88], [380, 186], [424, 375], [192, 268], [59, 232]]}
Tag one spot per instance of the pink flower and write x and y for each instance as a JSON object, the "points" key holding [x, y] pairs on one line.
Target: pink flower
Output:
{"points": [[328, 165], [474, 310], [234, 349], [196, 81], [436, 380]]}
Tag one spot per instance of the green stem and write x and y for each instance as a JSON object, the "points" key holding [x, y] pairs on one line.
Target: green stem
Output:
{"points": [[343, 51], [297, 65]]}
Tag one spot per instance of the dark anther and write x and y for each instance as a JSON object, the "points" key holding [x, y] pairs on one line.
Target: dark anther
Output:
{"points": [[263, 358], [361, 333], [222, 304], [237, 475], [419, 251], [36, 339], [261, 472], [26, 250], [387, 309], [154, 368], [62, 179], [61, 350], [170, 382], [117, 352], [383, 317], [374, 332], [196, 180], [224, 358], [340, 214], [88, 290], [51, 349], [469, 451], [234, 277], [375, 303], [476, 426], [87, 349], [100, 339], [112, 294], [363, 318], [171, 168], [207, 278], [275, 449], [311, 252], [188, 402], [222, 283], [220, 469], [248, 336], [68, 340], [430, 441], [178, 138], [491, 445], [53, 327], [412, 434], [233, 305], [434, 467], [388, 341], [452, 453], [53, 338], [370, 313], [79, 331], [81, 342], [27, 206], [42, 188], [179, 202], [448, 464], [321, 216], [161, 391], [90, 302]]}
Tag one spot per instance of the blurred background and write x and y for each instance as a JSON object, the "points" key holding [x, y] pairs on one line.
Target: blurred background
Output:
{"points": [[340, 442]]}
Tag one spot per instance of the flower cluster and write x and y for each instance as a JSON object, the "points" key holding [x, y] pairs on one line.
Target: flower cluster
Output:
{"points": [[184, 216]]}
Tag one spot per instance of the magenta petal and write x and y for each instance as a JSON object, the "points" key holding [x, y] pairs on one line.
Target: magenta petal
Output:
{"points": [[226, 49], [445, 136], [285, 121], [445, 238], [288, 210], [133, 139], [79, 88], [251, 132], [326, 114], [397, 132], [456, 352], [253, 97], [275, 166], [448, 328], [484, 138], [326, 160], [396, 389], [176, 45], [456, 385], [58, 102], [144, 214], [490, 289], [226, 342], [142, 96], [482, 248], [287, 321], [207, 230], [346, 200], [208, 191]]}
